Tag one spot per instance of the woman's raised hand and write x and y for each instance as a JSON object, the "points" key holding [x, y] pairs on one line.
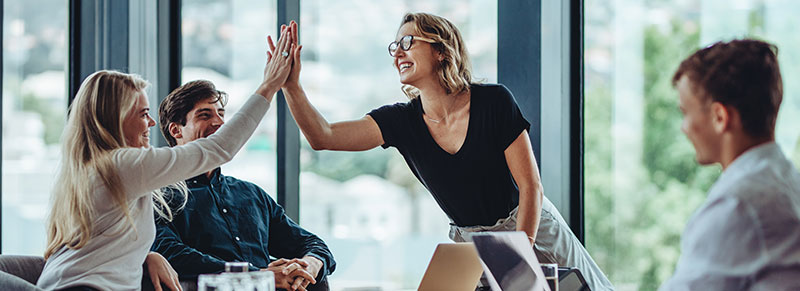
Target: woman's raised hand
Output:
{"points": [[294, 75], [279, 64]]}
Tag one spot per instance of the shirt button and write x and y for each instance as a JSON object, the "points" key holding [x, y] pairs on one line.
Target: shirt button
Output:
{"points": [[224, 210], [237, 238]]}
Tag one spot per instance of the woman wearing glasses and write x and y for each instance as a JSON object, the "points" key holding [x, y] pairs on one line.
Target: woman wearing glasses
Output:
{"points": [[467, 143]]}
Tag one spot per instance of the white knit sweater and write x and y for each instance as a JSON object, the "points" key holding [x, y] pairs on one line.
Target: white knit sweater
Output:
{"points": [[113, 257]]}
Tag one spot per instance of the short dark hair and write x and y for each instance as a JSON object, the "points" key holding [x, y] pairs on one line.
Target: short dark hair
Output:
{"points": [[177, 104], [743, 74]]}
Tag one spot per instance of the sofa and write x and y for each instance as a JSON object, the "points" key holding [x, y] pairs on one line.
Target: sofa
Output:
{"points": [[22, 272]]}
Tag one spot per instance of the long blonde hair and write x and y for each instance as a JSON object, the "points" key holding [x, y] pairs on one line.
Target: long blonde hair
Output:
{"points": [[92, 133], [455, 70]]}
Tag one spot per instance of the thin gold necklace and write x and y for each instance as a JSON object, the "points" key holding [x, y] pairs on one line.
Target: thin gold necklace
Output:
{"points": [[434, 120]]}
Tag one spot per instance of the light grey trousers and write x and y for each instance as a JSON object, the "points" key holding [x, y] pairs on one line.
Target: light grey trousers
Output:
{"points": [[555, 243]]}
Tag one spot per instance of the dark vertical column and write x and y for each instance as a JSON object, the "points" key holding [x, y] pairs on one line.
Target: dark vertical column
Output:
{"points": [[288, 133], [576, 119], [169, 53], [98, 39], [74, 54], [518, 59]]}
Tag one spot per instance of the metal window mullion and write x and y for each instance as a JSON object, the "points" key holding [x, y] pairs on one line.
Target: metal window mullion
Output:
{"points": [[518, 42], [169, 55], [560, 147], [154, 51], [288, 168], [576, 119], [74, 62], [98, 39]]}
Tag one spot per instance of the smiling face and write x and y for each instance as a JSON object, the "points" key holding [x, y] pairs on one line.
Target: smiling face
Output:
{"points": [[136, 125], [699, 122], [203, 120], [417, 63]]}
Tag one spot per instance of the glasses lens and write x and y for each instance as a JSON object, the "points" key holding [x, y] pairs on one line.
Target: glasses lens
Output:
{"points": [[392, 48], [405, 42]]}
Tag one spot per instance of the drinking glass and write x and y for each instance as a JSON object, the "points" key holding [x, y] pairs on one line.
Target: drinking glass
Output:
{"points": [[237, 267], [242, 281]]}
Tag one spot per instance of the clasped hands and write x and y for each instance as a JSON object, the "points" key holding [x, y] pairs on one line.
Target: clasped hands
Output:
{"points": [[295, 274]]}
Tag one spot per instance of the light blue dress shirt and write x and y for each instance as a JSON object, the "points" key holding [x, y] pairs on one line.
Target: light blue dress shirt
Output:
{"points": [[746, 236]]}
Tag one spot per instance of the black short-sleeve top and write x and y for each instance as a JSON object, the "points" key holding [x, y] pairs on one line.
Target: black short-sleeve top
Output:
{"points": [[473, 186]]}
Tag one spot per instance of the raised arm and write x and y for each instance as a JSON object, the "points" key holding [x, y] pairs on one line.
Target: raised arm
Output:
{"points": [[145, 169], [354, 135]]}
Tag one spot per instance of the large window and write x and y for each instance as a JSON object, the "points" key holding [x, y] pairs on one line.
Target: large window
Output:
{"points": [[225, 42], [34, 109], [642, 181], [378, 220]]}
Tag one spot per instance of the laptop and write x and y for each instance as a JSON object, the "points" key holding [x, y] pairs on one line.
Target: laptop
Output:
{"points": [[509, 261], [453, 267], [571, 279]]}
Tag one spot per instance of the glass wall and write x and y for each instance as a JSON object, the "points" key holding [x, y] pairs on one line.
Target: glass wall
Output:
{"points": [[378, 220], [642, 181], [34, 110], [225, 42]]}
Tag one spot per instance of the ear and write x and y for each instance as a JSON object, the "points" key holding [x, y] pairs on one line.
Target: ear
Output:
{"points": [[175, 130], [439, 56], [720, 117]]}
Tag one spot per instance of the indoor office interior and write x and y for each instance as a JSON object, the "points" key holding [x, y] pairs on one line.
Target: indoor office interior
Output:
{"points": [[593, 78]]}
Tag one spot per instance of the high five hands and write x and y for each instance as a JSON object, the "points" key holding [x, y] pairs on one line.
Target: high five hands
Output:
{"points": [[294, 55], [279, 66]]}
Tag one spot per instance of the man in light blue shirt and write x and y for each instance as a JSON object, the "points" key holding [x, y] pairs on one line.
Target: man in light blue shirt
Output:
{"points": [[746, 236]]}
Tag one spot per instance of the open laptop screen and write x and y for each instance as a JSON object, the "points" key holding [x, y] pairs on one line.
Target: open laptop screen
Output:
{"points": [[509, 261]]}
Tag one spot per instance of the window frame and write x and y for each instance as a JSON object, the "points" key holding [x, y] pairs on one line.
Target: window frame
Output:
{"points": [[288, 150], [576, 115], [99, 39]]}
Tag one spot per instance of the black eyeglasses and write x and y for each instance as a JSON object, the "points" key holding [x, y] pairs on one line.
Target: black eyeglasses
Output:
{"points": [[406, 42]]}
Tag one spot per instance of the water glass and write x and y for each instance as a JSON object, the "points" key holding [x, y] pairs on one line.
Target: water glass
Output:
{"points": [[243, 281], [232, 267]]}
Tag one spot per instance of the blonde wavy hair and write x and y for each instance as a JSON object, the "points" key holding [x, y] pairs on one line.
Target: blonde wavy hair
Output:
{"points": [[455, 70], [92, 133]]}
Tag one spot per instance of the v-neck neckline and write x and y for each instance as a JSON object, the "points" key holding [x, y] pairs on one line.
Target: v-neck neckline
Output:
{"points": [[421, 119]]}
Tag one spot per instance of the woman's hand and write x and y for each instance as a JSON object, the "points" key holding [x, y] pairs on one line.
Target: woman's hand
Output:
{"points": [[293, 81], [278, 64], [161, 272]]}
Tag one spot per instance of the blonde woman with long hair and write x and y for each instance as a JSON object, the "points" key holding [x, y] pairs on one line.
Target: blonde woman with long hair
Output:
{"points": [[101, 223], [466, 142]]}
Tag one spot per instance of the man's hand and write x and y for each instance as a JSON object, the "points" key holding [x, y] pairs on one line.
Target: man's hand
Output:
{"points": [[281, 281], [161, 272], [299, 273]]}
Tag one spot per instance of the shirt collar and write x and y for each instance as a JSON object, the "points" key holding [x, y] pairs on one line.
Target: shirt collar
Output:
{"points": [[216, 176], [750, 157], [749, 160]]}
